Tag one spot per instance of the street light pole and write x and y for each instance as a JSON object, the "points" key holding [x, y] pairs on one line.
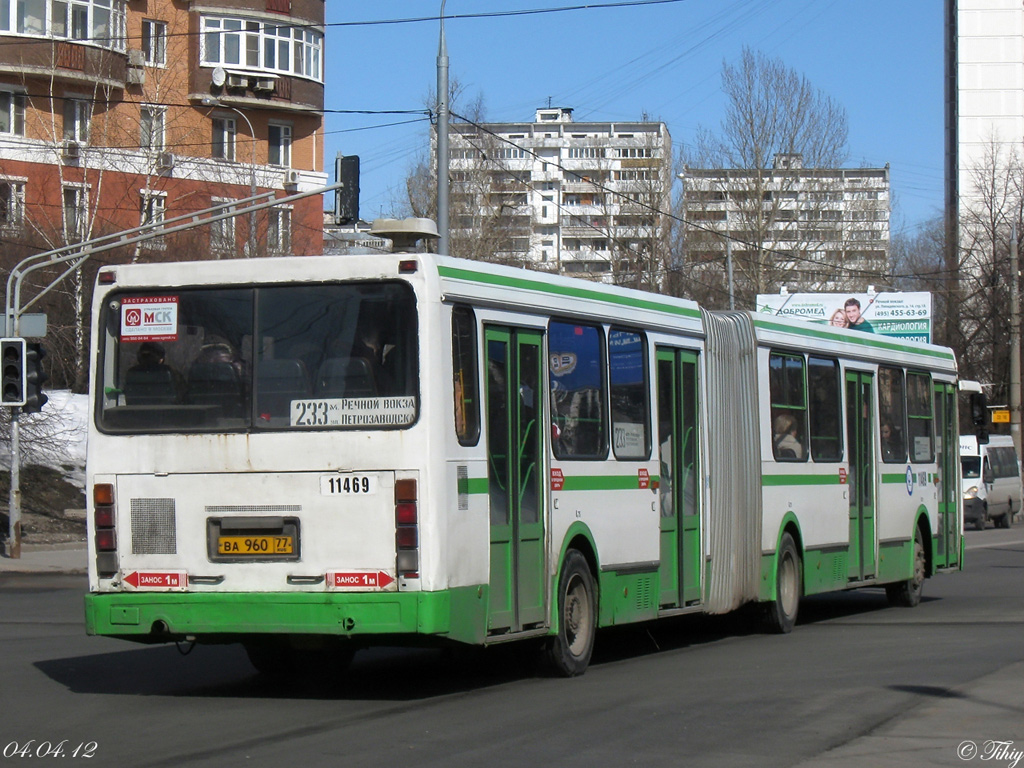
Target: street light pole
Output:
{"points": [[210, 101], [442, 141]]}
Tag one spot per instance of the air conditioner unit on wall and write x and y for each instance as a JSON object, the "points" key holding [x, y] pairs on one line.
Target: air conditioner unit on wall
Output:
{"points": [[165, 161], [136, 58], [71, 150], [237, 81], [136, 77], [263, 84], [291, 177]]}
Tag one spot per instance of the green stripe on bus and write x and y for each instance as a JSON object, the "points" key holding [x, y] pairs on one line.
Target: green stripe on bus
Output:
{"points": [[868, 340], [471, 485], [565, 290], [896, 478], [776, 480], [601, 483]]}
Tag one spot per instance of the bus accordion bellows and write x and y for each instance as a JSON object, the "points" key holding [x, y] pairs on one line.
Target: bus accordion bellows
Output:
{"points": [[311, 455]]}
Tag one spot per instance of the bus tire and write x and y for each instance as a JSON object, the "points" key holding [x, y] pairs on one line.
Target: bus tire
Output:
{"points": [[979, 524], [568, 652], [782, 611], [907, 594]]}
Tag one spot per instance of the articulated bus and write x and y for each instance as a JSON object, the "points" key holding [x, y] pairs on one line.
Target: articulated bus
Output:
{"points": [[313, 455]]}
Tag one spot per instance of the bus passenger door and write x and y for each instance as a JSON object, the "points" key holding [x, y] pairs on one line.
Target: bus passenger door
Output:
{"points": [[514, 445], [947, 543], [860, 438], [680, 563]]}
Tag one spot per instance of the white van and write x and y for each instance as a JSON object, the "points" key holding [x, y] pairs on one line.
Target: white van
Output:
{"points": [[991, 481]]}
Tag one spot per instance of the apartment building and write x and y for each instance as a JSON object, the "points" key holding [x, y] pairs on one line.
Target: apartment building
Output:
{"points": [[584, 198], [808, 229], [989, 117], [117, 113]]}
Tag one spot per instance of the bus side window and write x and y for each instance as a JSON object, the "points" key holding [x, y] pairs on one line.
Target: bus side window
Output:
{"points": [[578, 391], [825, 408], [789, 407], [464, 368], [919, 417], [892, 408], [627, 363]]}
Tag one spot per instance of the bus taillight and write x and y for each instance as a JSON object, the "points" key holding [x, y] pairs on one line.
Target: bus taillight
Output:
{"points": [[104, 519], [406, 529]]}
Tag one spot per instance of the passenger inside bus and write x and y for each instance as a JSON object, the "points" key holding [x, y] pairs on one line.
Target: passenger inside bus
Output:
{"points": [[785, 441], [217, 377], [151, 381]]}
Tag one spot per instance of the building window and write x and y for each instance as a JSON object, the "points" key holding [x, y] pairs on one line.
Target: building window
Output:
{"points": [[152, 207], [154, 42], [76, 120], [89, 21], [12, 112], [12, 205], [152, 128], [258, 45], [75, 212], [279, 230], [224, 130], [280, 138], [222, 233]]}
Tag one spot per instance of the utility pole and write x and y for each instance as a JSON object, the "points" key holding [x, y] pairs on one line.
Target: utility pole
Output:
{"points": [[443, 245], [1015, 341]]}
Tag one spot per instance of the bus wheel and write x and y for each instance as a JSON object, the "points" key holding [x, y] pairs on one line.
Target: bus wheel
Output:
{"points": [[907, 593], [983, 519], [783, 609], [568, 652]]}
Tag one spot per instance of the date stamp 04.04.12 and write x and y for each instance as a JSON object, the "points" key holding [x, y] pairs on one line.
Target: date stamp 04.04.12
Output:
{"points": [[64, 748]]}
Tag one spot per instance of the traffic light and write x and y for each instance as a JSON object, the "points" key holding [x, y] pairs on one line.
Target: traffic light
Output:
{"points": [[35, 377], [12, 355]]}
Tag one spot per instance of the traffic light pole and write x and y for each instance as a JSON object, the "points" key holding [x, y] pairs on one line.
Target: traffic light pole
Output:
{"points": [[77, 254], [14, 506]]}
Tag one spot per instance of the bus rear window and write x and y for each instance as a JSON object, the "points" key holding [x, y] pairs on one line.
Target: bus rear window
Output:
{"points": [[267, 358]]}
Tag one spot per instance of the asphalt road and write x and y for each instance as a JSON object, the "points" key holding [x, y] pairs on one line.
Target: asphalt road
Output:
{"points": [[695, 691]]}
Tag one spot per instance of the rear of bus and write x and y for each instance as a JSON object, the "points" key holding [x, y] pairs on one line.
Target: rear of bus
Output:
{"points": [[257, 453]]}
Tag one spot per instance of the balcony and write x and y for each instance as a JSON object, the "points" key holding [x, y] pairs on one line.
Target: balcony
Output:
{"points": [[87, 40]]}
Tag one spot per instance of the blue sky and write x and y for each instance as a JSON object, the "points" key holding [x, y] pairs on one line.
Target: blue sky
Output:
{"points": [[881, 59]]}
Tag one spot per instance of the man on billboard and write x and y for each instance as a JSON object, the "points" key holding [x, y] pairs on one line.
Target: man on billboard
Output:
{"points": [[857, 321]]}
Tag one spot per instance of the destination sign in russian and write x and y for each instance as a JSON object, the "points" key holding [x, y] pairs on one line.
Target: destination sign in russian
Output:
{"points": [[354, 412]]}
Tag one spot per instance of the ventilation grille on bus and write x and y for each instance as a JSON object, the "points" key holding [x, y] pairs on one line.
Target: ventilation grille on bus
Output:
{"points": [[254, 509], [839, 568], [153, 527], [462, 473], [644, 593]]}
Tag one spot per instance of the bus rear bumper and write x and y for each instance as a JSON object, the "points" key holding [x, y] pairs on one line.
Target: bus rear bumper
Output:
{"points": [[457, 614]]}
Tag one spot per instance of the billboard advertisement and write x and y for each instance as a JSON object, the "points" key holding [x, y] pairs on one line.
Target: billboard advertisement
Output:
{"points": [[898, 315]]}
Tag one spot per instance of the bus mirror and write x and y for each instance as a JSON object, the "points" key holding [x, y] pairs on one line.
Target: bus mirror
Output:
{"points": [[979, 416]]}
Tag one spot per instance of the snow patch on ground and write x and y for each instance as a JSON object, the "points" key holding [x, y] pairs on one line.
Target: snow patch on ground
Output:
{"points": [[57, 437]]}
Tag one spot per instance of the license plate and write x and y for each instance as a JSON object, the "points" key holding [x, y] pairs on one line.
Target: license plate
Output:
{"points": [[256, 546], [348, 485]]}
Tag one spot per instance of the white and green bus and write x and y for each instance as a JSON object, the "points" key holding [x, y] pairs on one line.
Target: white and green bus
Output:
{"points": [[313, 455]]}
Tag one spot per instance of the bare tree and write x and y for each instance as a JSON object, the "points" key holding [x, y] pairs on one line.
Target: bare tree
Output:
{"points": [[769, 181], [989, 211]]}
